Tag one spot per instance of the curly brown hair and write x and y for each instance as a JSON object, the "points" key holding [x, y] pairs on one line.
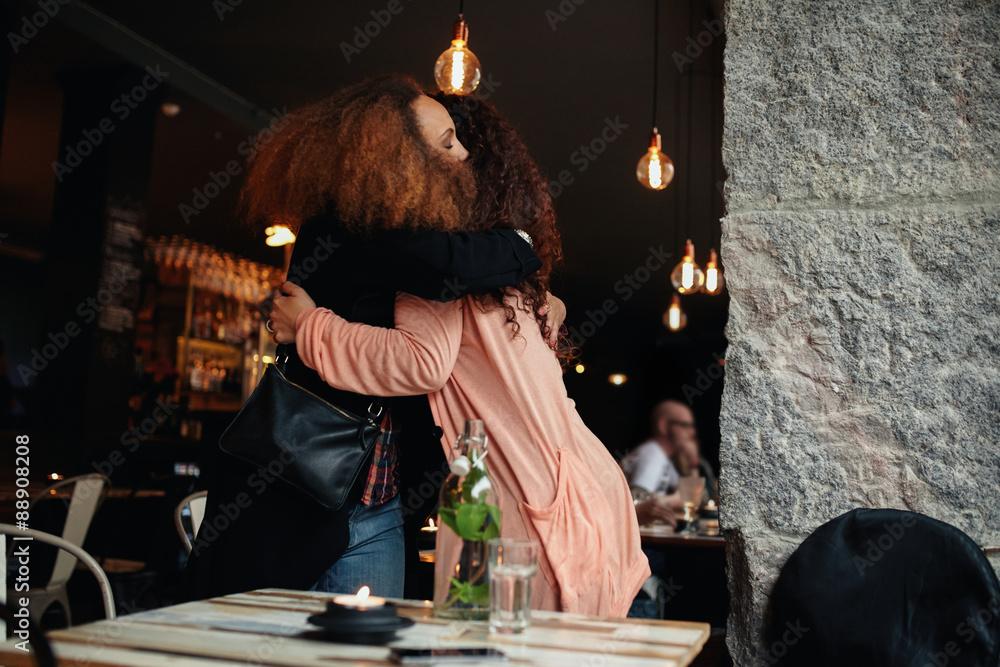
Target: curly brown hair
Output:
{"points": [[361, 152], [512, 194]]}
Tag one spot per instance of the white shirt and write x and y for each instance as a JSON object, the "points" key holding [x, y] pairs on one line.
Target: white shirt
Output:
{"points": [[648, 466]]}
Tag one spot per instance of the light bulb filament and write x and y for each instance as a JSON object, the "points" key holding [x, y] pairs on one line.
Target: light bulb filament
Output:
{"points": [[655, 169], [457, 65], [711, 280], [675, 317], [687, 275]]}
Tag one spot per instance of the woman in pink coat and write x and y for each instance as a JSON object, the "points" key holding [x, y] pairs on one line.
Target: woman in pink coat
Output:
{"points": [[487, 358]]}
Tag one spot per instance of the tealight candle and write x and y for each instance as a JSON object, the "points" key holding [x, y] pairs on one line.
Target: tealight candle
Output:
{"points": [[430, 527], [710, 511], [360, 601]]}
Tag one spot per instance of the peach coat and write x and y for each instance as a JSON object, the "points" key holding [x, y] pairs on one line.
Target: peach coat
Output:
{"points": [[556, 482]]}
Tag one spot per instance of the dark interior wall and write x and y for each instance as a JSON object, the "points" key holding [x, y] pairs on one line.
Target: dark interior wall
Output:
{"points": [[560, 87]]}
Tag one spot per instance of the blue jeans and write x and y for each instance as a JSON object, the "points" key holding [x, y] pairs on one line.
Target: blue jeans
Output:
{"points": [[374, 556]]}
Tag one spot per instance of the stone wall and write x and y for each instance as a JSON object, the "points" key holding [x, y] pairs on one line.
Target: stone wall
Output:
{"points": [[862, 254]]}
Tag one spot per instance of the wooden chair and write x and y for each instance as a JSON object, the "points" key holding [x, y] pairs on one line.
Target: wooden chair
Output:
{"points": [[195, 504], [73, 553], [87, 493]]}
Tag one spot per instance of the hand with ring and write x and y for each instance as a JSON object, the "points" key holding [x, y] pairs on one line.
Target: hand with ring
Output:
{"points": [[555, 313], [289, 301]]}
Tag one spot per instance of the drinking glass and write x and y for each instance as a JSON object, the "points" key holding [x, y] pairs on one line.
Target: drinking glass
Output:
{"points": [[512, 563], [691, 489]]}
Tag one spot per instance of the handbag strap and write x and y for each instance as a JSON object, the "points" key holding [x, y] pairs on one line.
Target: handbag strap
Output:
{"points": [[282, 355]]}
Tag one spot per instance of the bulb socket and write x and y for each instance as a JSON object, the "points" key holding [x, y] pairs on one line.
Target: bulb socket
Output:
{"points": [[460, 30], [689, 251], [713, 259], [655, 141]]}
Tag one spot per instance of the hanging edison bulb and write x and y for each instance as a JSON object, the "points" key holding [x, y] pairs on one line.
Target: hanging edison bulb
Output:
{"points": [[655, 170], [687, 276], [279, 235], [675, 319], [714, 282], [457, 70]]}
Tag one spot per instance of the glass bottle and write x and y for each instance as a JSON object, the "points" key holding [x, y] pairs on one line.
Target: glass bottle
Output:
{"points": [[469, 513]]}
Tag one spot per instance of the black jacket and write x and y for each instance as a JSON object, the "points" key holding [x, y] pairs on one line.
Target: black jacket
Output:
{"points": [[261, 533]]}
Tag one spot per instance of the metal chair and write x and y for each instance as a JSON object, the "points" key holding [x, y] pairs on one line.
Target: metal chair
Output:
{"points": [[88, 491], [195, 504], [74, 553]]}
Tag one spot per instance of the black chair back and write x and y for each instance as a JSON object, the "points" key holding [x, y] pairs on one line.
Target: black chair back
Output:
{"points": [[880, 587]]}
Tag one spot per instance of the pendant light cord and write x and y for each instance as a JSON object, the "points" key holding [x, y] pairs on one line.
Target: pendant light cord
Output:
{"points": [[656, 55], [690, 120], [677, 145], [461, 7], [713, 187]]}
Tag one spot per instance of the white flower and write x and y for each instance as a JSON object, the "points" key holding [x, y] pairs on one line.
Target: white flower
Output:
{"points": [[460, 466], [482, 486]]}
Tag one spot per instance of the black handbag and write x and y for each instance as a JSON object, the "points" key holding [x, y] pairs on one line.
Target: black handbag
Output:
{"points": [[303, 440]]}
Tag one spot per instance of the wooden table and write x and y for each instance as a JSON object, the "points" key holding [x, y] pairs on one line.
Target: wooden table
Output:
{"points": [[265, 627], [665, 535]]}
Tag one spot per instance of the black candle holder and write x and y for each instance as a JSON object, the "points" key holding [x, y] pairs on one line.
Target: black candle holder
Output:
{"points": [[360, 625]]}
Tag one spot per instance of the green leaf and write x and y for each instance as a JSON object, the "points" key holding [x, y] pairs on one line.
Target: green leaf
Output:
{"points": [[470, 521], [447, 517], [470, 481], [463, 590], [491, 531], [479, 595]]}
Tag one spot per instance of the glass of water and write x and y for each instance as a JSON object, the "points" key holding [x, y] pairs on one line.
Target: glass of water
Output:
{"points": [[513, 563]]}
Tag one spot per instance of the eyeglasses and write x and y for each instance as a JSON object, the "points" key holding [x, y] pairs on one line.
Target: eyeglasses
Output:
{"points": [[672, 422]]}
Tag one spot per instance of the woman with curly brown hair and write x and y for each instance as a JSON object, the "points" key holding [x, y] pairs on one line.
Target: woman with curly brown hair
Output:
{"points": [[485, 358], [375, 176]]}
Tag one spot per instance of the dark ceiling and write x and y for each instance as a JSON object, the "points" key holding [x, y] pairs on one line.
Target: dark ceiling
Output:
{"points": [[561, 70]]}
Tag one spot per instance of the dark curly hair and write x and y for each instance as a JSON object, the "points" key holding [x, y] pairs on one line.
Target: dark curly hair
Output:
{"points": [[512, 194], [360, 151]]}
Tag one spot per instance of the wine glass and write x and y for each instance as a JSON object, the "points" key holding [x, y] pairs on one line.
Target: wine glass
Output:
{"points": [[691, 489]]}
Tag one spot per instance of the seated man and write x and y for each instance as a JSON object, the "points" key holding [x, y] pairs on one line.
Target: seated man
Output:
{"points": [[649, 466]]}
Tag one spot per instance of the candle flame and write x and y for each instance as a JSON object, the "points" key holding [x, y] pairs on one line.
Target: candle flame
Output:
{"points": [[430, 522], [363, 593], [711, 503]]}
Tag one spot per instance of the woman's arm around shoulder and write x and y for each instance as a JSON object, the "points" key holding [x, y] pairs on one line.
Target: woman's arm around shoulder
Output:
{"points": [[416, 357]]}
